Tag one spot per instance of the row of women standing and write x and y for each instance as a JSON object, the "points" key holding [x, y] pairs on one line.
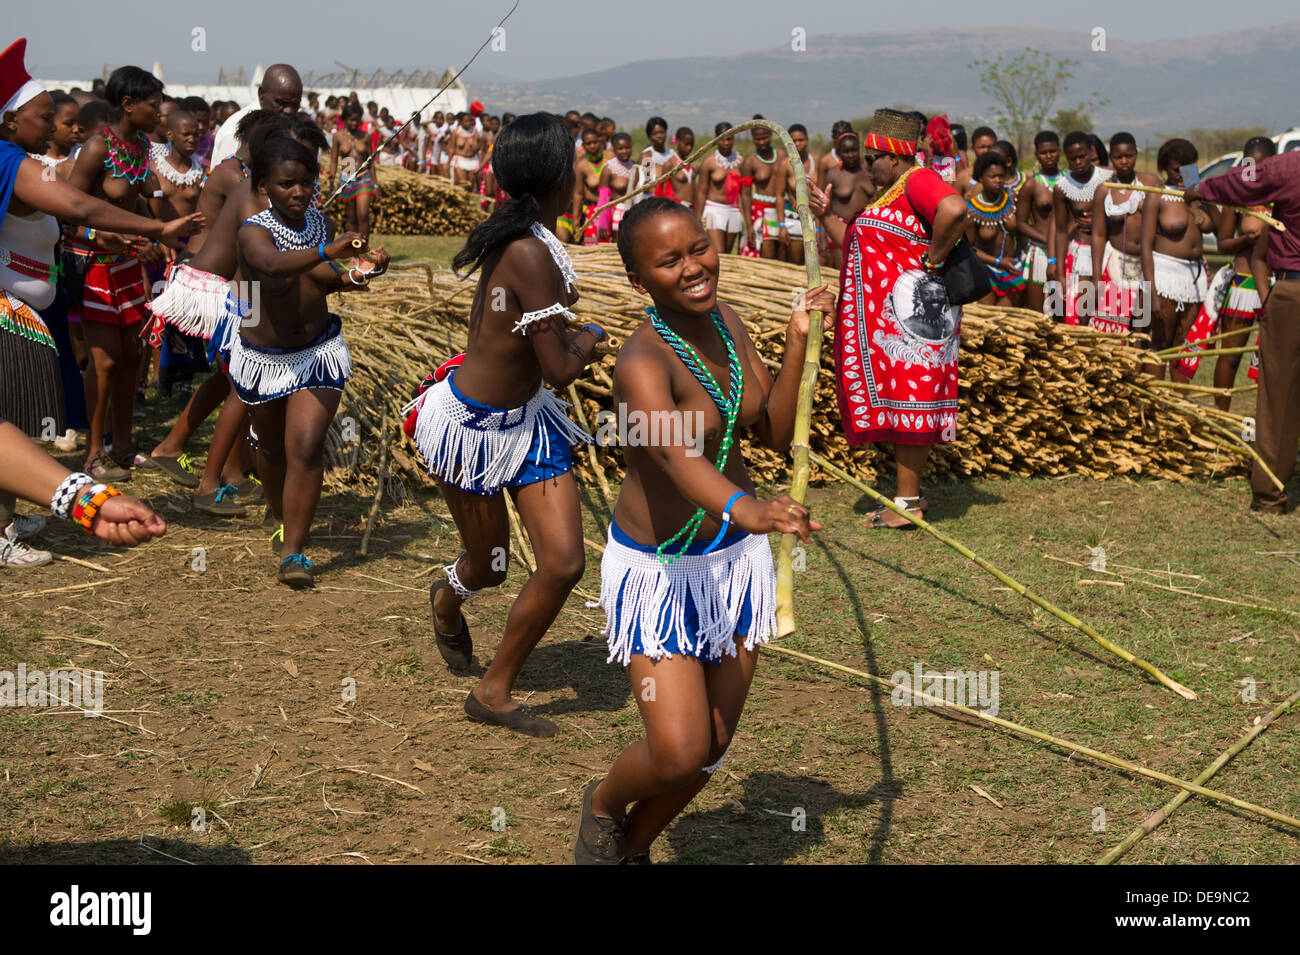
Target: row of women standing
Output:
{"points": [[33, 200]]}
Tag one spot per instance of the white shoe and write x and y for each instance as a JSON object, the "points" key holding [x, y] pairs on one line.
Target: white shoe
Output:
{"points": [[14, 553], [24, 526], [66, 441]]}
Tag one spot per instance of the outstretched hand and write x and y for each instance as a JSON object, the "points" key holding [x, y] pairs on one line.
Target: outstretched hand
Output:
{"points": [[176, 229], [125, 522]]}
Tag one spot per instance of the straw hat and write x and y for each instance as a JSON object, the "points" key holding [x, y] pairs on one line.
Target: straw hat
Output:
{"points": [[894, 132]]}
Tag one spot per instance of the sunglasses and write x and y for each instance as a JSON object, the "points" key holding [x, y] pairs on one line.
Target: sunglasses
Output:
{"points": [[871, 158]]}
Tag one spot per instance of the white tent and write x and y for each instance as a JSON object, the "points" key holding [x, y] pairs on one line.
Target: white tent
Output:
{"points": [[400, 100]]}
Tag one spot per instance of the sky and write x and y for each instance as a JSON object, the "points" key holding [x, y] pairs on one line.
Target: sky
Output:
{"points": [[544, 38]]}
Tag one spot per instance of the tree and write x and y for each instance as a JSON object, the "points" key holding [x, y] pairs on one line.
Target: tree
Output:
{"points": [[1025, 87], [1066, 121]]}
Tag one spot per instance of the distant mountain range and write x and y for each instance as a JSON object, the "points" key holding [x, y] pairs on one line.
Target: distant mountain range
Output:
{"points": [[1238, 78]]}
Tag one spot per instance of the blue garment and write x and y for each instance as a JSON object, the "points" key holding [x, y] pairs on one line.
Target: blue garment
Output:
{"points": [[278, 372], [74, 390], [692, 619], [218, 349], [11, 157], [539, 464]]}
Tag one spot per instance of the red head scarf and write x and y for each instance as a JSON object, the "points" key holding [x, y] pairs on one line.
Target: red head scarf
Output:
{"points": [[940, 134]]}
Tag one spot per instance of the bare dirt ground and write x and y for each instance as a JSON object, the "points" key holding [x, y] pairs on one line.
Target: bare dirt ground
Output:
{"points": [[226, 693]]}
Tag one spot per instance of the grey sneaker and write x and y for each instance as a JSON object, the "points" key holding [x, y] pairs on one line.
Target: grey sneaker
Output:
{"points": [[14, 553], [24, 526]]}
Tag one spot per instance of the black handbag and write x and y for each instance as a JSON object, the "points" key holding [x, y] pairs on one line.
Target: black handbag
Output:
{"points": [[964, 276]]}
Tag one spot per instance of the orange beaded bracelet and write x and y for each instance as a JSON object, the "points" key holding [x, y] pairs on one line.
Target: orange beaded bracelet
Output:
{"points": [[85, 510]]}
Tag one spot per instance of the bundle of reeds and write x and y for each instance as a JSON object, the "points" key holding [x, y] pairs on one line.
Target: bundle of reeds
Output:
{"points": [[410, 203], [1037, 398]]}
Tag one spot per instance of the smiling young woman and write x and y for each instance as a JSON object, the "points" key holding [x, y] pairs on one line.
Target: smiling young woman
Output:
{"points": [[687, 581]]}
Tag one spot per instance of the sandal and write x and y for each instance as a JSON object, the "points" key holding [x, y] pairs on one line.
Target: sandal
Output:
{"points": [[180, 469], [103, 468], [134, 458], [457, 649], [521, 719], [913, 505]]}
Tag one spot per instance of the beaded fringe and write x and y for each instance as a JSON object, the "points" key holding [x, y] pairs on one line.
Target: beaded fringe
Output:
{"points": [[453, 437], [1178, 279], [273, 376], [638, 591], [193, 301], [31, 387]]}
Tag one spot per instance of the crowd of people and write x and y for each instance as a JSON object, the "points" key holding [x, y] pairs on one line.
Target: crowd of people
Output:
{"points": [[118, 234]]}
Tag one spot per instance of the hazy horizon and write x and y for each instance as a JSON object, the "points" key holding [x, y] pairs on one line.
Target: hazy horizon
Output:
{"points": [[543, 40]]}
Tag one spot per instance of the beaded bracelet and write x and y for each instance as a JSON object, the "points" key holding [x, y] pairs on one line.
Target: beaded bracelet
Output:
{"points": [[320, 250], [85, 511], [66, 493], [598, 330], [726, 521]]}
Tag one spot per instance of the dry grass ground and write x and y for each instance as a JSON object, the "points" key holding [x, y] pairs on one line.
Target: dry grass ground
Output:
{"points": [[227, 692]]}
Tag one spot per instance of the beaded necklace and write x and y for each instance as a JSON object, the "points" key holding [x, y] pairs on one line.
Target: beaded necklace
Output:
{"points": [[558, 255], [1049, 181], [893, 192], [597, 167], [289, 239], [991, 213], [768, 162], [1016, 183], [1129, 206], [168, 172], [48, 161], [728, 406], [129, 162], [620, 167], [729, 162]]}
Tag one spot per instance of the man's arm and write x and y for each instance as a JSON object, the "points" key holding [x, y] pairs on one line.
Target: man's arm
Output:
{"points": [[1244, 186]]}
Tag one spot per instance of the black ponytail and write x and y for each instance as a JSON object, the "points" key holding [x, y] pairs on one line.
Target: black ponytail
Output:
{"points": [[530, 160]]}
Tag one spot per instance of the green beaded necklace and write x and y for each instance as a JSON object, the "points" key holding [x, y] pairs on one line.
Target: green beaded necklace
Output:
{"points": [[728, 406]]}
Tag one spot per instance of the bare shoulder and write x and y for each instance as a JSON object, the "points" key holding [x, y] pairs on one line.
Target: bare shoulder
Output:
{"points": [[95, 149], [734, 322], [527, 257], [643, 352]]}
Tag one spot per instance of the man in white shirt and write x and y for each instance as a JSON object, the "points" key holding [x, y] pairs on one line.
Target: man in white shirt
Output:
{"points": [[280, 90]]}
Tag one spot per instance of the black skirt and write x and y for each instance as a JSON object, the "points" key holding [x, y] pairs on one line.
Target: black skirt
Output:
{"points": [[31, 388]]}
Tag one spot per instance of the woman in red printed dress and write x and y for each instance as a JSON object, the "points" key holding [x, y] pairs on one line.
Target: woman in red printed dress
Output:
{"points": [[897, 336]]}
